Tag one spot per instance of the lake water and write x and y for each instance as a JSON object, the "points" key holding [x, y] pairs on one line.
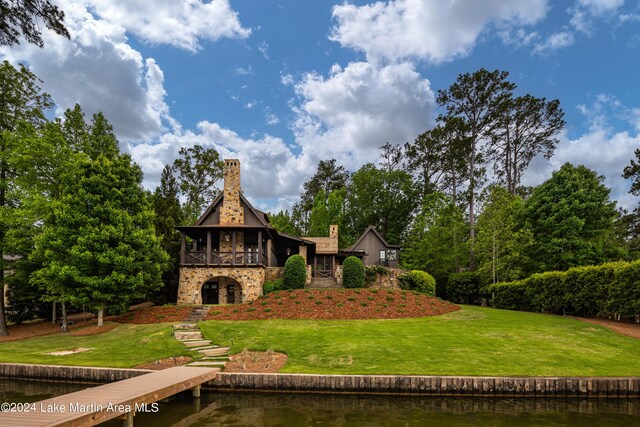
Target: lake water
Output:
{"points": [[323, 410]]}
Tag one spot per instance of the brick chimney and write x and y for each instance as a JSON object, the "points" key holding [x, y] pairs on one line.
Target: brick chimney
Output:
{"points": [[333, 231], [231, 211]]}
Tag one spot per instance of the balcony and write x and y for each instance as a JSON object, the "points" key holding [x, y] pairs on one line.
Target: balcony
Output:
{"points": [[224, 259]]}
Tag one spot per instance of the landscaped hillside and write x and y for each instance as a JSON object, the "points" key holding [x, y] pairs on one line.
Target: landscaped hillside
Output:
{"points": [[470, 341]]}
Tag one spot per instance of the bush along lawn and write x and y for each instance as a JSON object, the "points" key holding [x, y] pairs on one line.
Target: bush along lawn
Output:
{"points": [[471, 341], [124, 347]]}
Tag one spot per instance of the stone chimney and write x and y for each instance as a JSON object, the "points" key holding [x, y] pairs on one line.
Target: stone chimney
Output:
{"points": [[231, 211], [333, 231]]}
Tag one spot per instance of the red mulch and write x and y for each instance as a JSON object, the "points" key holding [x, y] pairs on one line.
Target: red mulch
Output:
{"points": [[158, 314], [335, 304], [39, 329]]}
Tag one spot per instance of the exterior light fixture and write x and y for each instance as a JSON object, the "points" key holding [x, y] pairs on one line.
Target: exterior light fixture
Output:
{"points": [[226, 237], [288, 251]]}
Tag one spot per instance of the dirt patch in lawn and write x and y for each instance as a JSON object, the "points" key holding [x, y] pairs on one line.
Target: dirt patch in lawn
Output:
{"points": [[169, 362], [261, 362], [158, 314], [72, 351], [624, 328], [335, 304], [94, 330]]}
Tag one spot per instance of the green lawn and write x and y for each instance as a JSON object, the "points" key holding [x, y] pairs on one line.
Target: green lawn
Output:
{"points": [[126, 346], [472, 341]]}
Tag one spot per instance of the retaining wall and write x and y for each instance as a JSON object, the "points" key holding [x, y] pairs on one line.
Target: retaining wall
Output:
{"points": [[432, 385], [76, 374]]}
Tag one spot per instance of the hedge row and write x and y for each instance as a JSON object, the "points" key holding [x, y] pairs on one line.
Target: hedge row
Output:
{"points": [[607, 289], [418, 280]]}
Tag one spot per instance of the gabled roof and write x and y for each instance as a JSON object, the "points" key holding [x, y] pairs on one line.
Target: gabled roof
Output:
{"points": [[372, 229], [262, 217]]}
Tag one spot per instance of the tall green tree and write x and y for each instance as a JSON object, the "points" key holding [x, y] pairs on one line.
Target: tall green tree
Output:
{"points": [[283, 222], [198, 170], [328, 177], [98, 246], [21, 18], [527, 127], [501, 244], [571, 219], [477, 100], [631, 221], [22, 106], [384, 199], [327, 211], [437, 239], [168, 215]]}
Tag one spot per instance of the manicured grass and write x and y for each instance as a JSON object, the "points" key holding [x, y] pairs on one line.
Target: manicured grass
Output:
{"points": [[472, 341], [126, 346]]}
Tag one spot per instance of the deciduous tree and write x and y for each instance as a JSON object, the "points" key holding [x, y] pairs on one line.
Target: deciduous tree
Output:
{"points": [[20, 18]]}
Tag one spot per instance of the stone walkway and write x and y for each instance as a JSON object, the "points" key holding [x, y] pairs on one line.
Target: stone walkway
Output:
{"points": [[191, 336]]}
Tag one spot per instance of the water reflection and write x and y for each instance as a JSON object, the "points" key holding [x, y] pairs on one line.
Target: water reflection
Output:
{"points": [[262, 409]]}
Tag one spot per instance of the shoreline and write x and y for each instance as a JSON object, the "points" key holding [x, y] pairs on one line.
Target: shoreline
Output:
{"points": [[410, 385]]}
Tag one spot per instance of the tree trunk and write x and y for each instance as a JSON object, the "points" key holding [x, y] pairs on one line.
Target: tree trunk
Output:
{"points": [[101, 315], [54, 313], [3, 321], [472, 217], [65, 324]]}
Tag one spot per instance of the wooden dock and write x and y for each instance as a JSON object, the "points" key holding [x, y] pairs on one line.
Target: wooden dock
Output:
{"points": [[120, 399]]}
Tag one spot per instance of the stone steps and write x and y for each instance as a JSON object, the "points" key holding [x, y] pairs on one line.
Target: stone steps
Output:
{"points": [[186, 326], [198, 314], [219, 351], [188, 335], [213, 364], [196, 343]]}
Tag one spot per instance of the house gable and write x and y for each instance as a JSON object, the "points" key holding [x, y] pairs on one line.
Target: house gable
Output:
{"points": [[372, 243]]}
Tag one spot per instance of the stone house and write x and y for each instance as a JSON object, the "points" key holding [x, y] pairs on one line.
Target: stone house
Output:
{"points": [[231, 250]]}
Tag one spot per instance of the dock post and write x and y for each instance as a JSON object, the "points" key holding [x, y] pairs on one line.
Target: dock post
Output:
{"points": [[128, 420], [196, 391]]}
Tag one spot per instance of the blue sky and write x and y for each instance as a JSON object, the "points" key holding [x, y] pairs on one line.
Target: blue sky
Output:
{"points": [[283, 84]]}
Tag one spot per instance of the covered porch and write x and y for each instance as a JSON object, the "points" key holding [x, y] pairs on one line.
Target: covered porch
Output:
{"points": [[216, 246]]}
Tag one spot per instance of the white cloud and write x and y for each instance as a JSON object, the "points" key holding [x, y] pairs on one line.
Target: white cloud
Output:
{"points": [[432, 30], [100, 71], [584, 12], [554, 42], [269, 168], [263, 47], [244, 71], [357, 109], [183, 24]]}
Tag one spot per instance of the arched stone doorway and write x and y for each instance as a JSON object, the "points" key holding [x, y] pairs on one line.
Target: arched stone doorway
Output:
{"points": [[221, 290]]}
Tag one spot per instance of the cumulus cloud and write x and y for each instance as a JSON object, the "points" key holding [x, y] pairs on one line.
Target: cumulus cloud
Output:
{"points": [[355, 110], [178, 23], [269, 168], [99, 70], [584, 12], [427, 29]]}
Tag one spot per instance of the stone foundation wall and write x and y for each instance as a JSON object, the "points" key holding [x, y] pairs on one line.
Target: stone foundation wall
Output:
{"points": [[387, 281], [272, 273], [308, 281], [192, 279]]}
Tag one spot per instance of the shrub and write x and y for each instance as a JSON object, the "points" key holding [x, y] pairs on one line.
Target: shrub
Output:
{"points": [[418, 280], [352, 273], [548, 292], [624, 294], [272, 286], [464, 288], [294, 275], [510, 296]]}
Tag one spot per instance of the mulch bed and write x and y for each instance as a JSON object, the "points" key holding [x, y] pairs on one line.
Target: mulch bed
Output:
{"points": [[159, 314], [39, 329], [335, 304]]}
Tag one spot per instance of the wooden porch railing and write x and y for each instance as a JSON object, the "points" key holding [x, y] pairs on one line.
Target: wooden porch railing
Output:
{"points": [[223, 258], [324, 273]]}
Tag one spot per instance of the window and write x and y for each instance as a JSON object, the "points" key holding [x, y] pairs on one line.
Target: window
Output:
{"points": [[383, 255], [393, 254]]}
